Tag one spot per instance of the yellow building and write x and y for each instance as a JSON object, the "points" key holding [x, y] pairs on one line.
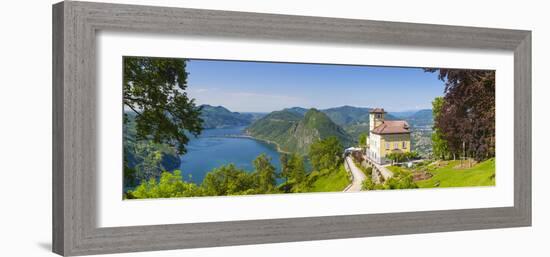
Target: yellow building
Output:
{"points": [[386, 136]]}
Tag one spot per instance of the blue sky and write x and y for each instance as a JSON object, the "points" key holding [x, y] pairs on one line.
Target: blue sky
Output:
{"points": [[264, 87]]}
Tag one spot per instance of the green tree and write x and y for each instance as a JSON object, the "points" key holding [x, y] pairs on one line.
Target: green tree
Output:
{"points": [[402, 156], [412, 155], [294, 171], [363, 139], [467, 116], [285, 166], [169, 185], [154, 89], [228, 180], [265, 174], [326, 153], [298, 168], [129, 174], [299, 178], [367, 184], [393, 157], [439, 145], [401, 181], [150, 165]]}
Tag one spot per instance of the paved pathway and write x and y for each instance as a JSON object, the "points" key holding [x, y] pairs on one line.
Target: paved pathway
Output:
{"points": [[357, 176]]}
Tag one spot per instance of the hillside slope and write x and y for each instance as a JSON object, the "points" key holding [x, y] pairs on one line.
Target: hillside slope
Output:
{"points": [[294, 133], [220, 117], [421, 119], [354, 120]]}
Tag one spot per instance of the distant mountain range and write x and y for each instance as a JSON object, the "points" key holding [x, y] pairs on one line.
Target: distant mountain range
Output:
{"points": [[220, 117], [419, 119], [354, 120], [294, 130]]}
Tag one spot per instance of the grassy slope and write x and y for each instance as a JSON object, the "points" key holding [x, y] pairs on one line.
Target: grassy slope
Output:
{"points": [[331, 181], [397, 169], [481, 174]]}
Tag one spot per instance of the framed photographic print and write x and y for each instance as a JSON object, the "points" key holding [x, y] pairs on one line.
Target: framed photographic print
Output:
{"points": [[183, 128]]}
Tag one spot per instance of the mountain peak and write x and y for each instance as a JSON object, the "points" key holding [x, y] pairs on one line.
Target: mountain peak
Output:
{"points": [[295, 133], [315, 114], [312, 110], [298, 110], [219, 116], [219, 107]]}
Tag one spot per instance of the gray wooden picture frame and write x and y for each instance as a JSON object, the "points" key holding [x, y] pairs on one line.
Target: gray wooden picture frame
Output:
{"points": [[75, 25]]}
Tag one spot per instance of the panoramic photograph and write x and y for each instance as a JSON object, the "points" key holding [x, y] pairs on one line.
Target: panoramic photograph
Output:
{"points": [[195, 127]]}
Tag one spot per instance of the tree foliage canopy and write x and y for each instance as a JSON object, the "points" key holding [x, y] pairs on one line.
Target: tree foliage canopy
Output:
{"points": [[363, 139], [402, 156], [326, 153], [293, 170], [439, 145], [227, 180], [169, 185], [266, 174], [154, 88], [466, 119]]}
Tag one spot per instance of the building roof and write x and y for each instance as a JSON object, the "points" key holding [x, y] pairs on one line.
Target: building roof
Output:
{"points": [[392, 127], [377, 110]]}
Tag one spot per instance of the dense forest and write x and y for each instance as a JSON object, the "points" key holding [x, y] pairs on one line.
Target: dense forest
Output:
{"points": [[144, 159]]}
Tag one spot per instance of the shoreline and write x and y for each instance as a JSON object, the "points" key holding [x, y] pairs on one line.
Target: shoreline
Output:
{"points": [[277, 147], [246, 135]]}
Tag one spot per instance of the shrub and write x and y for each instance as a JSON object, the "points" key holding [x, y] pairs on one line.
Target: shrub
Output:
{"points": [[401, 157], [169, 185], [228, 180], [401, 180], [368, 171], [368, 184], [326, 153]]}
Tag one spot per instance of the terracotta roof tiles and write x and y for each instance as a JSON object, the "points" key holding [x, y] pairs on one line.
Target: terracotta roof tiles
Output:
{"points": [[392, 127]]}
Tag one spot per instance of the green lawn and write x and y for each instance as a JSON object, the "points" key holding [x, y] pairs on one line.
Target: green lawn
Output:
{"points": [[481, 174], [395, 169], [330, 180]]}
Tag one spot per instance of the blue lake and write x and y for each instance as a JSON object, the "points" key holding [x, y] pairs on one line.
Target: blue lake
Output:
{"points": [[217, 147]]}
